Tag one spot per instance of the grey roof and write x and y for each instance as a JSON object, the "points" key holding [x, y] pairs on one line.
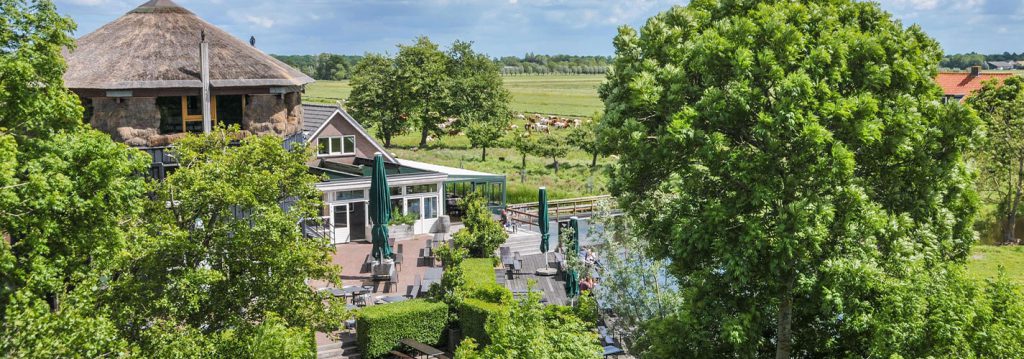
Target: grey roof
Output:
{"points": [[1002, 64], [314, 115]]}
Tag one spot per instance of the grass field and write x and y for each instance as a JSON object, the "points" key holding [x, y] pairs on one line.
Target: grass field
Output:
{"points": [[568, 95], [575, 177], [985, 261]]}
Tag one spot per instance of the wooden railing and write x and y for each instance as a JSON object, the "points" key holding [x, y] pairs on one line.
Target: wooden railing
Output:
{"points": [[526, 213]]}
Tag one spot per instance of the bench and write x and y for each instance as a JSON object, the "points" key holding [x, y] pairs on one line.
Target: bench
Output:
{"points": [[401, 355]]}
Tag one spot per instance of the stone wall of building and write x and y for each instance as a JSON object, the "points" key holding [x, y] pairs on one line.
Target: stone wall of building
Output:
{"points": [[136, 120], [272, 114], [131, 120]]}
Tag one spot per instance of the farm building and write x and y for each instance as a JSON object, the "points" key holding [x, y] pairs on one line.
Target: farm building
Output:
{"points": [[957, 86], [160, 72]]}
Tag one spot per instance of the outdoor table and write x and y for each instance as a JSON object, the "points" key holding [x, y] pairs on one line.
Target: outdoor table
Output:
{"points": [[612, 350], [433, 273], [422, 348], [391, 299]]}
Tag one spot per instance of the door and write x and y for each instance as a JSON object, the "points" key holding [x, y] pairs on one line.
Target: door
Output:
{"points": [[412, 205], [339, 220], [357, 220]]}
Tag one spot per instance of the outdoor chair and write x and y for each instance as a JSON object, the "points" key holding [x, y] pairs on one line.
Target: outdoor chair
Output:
{"points": [[414, 291], [398, 258], [517, 263]]}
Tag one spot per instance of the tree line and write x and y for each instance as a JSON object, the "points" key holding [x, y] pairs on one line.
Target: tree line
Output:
{"points": [[963, 61], [332, 67]]}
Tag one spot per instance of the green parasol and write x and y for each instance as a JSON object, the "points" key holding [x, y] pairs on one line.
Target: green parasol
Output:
{"points": [[542, 220], [380, 209], [572, 278]]}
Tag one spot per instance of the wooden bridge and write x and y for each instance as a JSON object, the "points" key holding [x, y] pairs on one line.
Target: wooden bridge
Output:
{"points": [[583, 207]]}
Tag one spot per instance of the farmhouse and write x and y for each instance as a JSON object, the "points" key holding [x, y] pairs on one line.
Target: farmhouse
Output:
{"points": [[159, 72], [956, 86]]}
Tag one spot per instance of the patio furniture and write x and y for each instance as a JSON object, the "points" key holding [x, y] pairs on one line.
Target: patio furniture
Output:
{"points": [[414, 291], [427, 350], [611, 350], [391, 299], [517, 263], [398, 257], [400, 355]]}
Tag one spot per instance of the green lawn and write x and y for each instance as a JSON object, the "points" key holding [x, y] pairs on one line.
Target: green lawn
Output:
{"points": [[569, 95], [985, 260], [573, 179]]}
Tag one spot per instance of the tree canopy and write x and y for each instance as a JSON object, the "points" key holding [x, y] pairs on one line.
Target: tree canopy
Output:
{"points": [[794, 161], [440, 92], [1001, 153]]}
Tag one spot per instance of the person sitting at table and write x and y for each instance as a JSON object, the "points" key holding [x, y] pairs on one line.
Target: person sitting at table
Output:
{"points": [[587, 284]]}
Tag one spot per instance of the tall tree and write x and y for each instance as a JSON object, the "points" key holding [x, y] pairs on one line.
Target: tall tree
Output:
{"points": [[1001, 107], [584, 137], [375, 97], [223, 252], [478, 96], [65, 194], [425, 85], [794, 162], [550, 146]]}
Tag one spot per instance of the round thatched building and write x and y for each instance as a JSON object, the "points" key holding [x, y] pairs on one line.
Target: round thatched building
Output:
{"points": [[139, 78]]}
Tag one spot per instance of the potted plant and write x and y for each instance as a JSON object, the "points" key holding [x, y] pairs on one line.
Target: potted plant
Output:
{"points": [[400, 226]]}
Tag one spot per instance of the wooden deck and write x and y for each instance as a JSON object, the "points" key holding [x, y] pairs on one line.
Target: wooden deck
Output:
{"points": [[552, 288]]}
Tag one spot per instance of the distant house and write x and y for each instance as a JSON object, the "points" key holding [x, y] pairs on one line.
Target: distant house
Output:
{"points": [[956, 86], [139, 78], [1001, 65]]}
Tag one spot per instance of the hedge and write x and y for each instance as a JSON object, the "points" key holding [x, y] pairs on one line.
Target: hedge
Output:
{"points": [[479, 272], [380, 327], [473, 314], [482, 282]]}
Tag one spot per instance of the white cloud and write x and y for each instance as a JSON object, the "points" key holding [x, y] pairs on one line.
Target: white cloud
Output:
{"points": [[88, 2], [260, 21]]}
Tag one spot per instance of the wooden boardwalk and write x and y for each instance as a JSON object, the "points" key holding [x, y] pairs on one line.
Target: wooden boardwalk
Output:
{"points": [[552, 288]]}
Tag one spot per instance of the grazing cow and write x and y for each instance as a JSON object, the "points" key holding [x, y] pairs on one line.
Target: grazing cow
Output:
{"points": [[513, 127], [520, 116], [576, 122], [560, 124], [542, 128]]}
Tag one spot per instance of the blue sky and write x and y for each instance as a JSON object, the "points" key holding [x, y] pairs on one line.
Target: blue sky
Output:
{"points": [[514, 27]]}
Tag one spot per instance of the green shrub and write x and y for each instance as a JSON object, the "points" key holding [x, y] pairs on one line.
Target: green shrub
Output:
{"points": [[473, 314], [482, 234], [482, 282], [479, 271], [380, 327]]}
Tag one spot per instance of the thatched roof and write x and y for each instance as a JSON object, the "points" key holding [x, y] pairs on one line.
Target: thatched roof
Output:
{"points": [[157, 46]]}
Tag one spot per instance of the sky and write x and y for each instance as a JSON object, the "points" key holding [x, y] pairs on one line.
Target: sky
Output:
{"points": [[515, 27]]}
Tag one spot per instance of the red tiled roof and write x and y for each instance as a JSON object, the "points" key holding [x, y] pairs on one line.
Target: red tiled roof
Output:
{"points": [[962, 83]]}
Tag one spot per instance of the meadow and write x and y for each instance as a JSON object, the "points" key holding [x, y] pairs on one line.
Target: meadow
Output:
{"points": [[985, 261], [566, 95]]}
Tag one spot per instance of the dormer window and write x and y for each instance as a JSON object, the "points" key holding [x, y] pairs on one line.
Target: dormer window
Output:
{"points": [[338, 145]]}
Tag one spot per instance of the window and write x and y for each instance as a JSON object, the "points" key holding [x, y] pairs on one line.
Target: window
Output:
{"points": [[349, 144], [396, 191], [185, 113], [229, 110], [423, 188], [430, 207], [414, 207], [348, 195], [343, 145], [396, 205]]}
